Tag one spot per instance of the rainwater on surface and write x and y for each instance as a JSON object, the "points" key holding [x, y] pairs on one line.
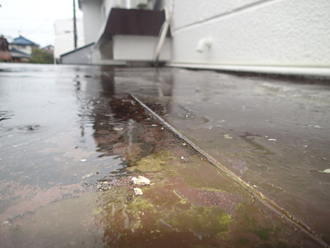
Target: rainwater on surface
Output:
{"points": [[272, 132], [72, 139]]}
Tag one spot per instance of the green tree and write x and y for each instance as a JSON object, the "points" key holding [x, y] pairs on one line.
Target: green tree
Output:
{"points": [[40, 57]]}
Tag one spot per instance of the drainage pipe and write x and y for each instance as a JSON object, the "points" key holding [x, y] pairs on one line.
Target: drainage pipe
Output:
{"points": [[204, 43], [162, 36]]}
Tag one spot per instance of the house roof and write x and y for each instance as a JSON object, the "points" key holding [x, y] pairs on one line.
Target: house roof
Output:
{"points": [[48, 47], [23, 41], [135, 22]]}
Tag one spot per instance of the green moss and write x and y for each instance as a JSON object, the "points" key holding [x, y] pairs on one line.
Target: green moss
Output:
{"points": [[262, 233], [243, 241], [202, 221], [153, 162], [183, 200], [140, 204]]}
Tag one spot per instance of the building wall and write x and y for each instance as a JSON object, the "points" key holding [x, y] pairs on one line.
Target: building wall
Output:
{"points": [[23, 48], [132, 4], [64, 38], [108, 4], [251, 32], [138, 48], [82, 56], [5, 56], [93, 19]]}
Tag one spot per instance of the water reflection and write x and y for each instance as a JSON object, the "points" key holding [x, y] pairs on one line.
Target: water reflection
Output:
{"points": [[5, 115], [62, 131]]}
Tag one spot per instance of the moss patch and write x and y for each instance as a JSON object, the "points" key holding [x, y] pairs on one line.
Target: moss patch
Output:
{"points": [[153, 162]]}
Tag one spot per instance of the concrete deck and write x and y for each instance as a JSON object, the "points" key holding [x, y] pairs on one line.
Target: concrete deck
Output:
{"points": [[268, 137]]}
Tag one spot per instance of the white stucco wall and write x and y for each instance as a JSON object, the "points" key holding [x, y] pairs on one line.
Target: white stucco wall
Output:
{"points": [[23, 48], [138, 48], [250, 32], [64, 37], [93, 19], [108, 4]]}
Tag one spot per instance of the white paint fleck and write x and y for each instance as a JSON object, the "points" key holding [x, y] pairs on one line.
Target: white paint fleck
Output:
{"points": [[227, 136], [138, 191]]}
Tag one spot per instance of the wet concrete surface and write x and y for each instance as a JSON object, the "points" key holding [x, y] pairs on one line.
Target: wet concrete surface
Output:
{"points": [[72, 138], [271, 132]]}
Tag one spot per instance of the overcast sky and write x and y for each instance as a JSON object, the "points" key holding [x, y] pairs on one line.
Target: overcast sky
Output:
{"points": [[34, 19]]}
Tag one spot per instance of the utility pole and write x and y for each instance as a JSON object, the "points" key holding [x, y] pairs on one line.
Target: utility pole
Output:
{"points": [[74, 25]]}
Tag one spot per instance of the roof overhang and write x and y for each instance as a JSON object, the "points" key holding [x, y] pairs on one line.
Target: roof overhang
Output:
{"points": [[133, 22]]}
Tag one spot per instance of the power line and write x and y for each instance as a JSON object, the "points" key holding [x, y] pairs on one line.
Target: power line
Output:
{"points": [[51, 18], [22, 18]]}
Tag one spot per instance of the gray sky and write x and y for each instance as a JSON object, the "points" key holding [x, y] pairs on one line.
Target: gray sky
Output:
{"points": [[34, 19]]}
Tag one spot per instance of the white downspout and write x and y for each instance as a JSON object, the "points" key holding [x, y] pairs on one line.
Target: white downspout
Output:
{"points": [[128, 4], [162, 36]]}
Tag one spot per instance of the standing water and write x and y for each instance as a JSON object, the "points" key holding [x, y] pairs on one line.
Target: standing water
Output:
{"points": [[74, 144]]}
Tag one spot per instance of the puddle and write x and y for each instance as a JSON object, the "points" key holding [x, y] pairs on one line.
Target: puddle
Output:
{"points": [[69, 156]]}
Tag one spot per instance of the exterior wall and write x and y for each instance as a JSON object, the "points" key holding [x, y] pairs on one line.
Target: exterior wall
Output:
{"points": [[136, 3], [93, 19], [99, 59], [25, 49], [106, 49], [82, 56], [5, 56], [251, 32], [129, 47], [64, 39], [108, 4]]}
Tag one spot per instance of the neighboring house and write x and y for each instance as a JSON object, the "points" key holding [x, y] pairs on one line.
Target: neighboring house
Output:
{"points": [[23, 45], [4, 50], [64, 37], [48, 49], [230, 35], [19, 56]]}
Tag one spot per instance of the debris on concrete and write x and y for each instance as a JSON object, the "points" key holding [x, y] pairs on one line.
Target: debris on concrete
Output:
{"points": [[117, 128], [138, 191], [227, 136], [88, 175], [103, 186], [141, 180]]}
